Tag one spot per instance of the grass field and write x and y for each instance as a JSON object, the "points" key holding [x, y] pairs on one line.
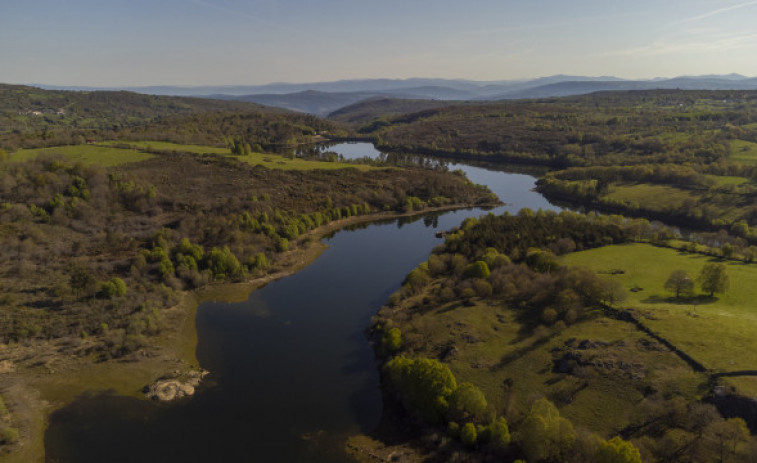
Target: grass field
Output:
{"points": [[648, 194], [723, 180], [273, 161], [719, 332], [667, 199], [167, 146], [744, 152], [492, 347], [106, 156]]}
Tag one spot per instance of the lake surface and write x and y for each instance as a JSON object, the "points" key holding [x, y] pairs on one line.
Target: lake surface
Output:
{"points": [[292, 373]]}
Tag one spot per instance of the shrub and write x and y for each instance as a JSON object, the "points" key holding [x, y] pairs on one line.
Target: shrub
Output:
{"points": [[392, 340], [467, 402], [113, 288], [468, 434], [8, 435], [425, 385], [477, 269], [500, 433]]}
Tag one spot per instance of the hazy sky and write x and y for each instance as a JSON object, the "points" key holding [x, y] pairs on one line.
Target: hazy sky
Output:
{"points": [[211, 42]]}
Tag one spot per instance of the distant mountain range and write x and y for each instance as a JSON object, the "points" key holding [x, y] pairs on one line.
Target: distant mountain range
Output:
{"points": [[323, 98]]}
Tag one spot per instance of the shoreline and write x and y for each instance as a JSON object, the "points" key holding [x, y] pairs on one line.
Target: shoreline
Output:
{"points": [[36, 391]]}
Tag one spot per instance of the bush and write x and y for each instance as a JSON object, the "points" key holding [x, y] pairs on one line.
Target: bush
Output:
{"points": [[477, 269], [392, 340], [113, 288], [467, 402], [223, 263], [8, 435], [418, 277], [468, 435], [425, 385], [500, 433], [482, 288], [616, 450]]}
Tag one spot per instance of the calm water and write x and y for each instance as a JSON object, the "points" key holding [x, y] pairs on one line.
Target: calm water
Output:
{"points": [[292, 373]]}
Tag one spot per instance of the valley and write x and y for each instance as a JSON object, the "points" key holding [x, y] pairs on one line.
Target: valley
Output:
{"points": [[218, 238]]}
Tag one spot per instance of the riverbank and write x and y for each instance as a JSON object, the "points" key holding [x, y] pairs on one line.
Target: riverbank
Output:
{"points": [[43, 379]]}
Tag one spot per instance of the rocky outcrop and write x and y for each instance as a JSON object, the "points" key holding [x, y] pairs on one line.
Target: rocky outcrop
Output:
{"points": [[177, 387]]}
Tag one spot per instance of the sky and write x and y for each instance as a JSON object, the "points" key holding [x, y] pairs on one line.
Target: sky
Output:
{"points": [[252, 42]]}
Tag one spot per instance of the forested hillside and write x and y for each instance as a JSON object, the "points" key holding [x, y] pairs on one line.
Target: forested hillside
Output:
{"points": [[31, 117], [685, 157], [599, 129]]}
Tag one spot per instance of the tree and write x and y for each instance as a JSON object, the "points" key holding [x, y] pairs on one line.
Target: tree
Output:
{"points": [[478, 269], [425, 385], [727, 435], [467, 402], [500, 433], [260, 261], [726, 251], [81, 280], [714, 279], [418, 277], [680, 283], [113, 288], [223, 263], [544, 434], [613, 291], [616, 450], [392, 340], [468, 434]]}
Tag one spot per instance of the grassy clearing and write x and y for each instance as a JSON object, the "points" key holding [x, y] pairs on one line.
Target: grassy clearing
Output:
{"points": [[273, 161], [494, 348], [744, 152], [642, 194], [106, 156], [719, 332], [723, 180], [167, 146]]}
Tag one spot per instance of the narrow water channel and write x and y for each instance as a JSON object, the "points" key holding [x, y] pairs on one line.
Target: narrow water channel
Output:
{"points": [[292, 373]]}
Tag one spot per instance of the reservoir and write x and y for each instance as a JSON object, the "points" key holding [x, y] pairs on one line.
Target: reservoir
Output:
{"points": [[292, 372]]}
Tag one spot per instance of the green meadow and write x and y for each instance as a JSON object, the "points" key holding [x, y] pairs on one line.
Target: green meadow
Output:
{"points": [[723, 180], [511, 365], [113, 153], [719, 332], [168, 146], [744, 152], [274, 161], [661, 196]]}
